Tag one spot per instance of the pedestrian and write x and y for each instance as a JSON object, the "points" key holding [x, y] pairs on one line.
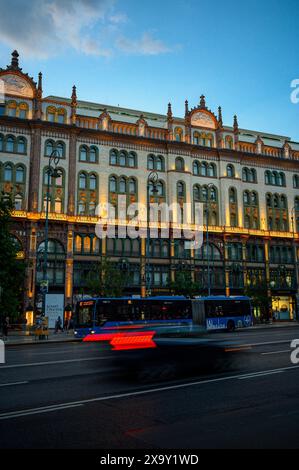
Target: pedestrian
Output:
{"points": [[58, 325], [5, 326]]}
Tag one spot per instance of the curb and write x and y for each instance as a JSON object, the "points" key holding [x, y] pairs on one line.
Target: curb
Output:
{"points": [[41, 342]]}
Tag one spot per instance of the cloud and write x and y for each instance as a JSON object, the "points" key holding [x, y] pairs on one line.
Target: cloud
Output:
{"points": [[146, 45], [43, 28]]}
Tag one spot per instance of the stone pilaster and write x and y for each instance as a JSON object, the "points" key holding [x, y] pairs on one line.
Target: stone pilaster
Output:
{"points": [[72, 173], [34, 174]]}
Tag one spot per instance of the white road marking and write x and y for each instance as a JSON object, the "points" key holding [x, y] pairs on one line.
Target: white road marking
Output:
{"points": [[257, 375], [14, 383], [63, 406], [276, 352], [66, 361]]}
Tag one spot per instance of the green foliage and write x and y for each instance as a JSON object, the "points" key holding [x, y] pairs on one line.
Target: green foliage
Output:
{"points": [[183, 285], [259, 297], [106, 280], [12, 270]]}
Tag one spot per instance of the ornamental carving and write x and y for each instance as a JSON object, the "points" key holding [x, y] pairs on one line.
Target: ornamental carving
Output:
{"points": [[201, 119], [15, 85]]}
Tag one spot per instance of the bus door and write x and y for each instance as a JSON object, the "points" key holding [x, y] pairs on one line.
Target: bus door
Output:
{"points": [[198, 312]]}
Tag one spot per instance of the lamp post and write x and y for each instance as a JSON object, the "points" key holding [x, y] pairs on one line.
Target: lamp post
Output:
{"points": [[52, 172], [152, 180], [294, 219], [208, 187]]}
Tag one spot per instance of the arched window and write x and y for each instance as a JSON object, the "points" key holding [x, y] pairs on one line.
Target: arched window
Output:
{"points": [[178, 134], [81, 207], [122, 159], [21, 145], [196, 168], [20, 174], [92, 208], [12, 109], [196, 138], [150, 162], [60, 149], [204, 169], [23, 110], [10, 144], [132, 186], [160, 188], [82, 181], [50, 146], [8, 173], [213, 194], [112, 184], [93, 154], [51, 113], [132, 160], [159, 163], [83, 154], [92, 182], [61, 116], [295, 180], [232, 196], [230, 171], [113, 157], [58, 206], [18, 202], [228, 142], [246, 197], [122, 186], [181, 189], [196, 193], [179, 164], [78, 244], [211, 170]]}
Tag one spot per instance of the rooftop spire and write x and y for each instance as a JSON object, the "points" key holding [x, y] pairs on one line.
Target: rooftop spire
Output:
{"points": [[220, 116], [203, 101], [169, 111], [40, 82], [74, 96], [186, 108], [15, 60], [236, 125]]}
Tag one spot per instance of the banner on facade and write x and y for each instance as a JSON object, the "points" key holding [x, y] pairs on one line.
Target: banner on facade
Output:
{"points": [[54, 308]]}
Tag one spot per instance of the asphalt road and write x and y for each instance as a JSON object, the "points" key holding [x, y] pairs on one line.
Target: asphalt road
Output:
{"points": [[71, 396]]}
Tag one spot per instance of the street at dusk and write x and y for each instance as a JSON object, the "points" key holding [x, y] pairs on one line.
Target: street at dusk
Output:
{"points": [[149, 231], [69, 396]]}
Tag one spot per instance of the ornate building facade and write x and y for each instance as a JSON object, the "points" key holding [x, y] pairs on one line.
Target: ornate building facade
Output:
{"points": [[247, 180]]}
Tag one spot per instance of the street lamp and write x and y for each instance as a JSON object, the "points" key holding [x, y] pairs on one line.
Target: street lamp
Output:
{"points": [[52, 172], [209, 186], [151, 187]]}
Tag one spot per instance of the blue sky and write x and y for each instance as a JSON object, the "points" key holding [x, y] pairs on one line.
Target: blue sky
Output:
{"points": [[241, 55]]}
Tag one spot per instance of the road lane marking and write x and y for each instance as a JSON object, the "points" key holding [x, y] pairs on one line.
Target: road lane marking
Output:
{"points": [[66, 361], [63, 406], [257, 375], [276, 352], [14, 383], [34, 411]]}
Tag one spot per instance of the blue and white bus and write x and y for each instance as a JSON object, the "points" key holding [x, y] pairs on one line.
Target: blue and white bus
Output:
{"points": [[99, 315]]}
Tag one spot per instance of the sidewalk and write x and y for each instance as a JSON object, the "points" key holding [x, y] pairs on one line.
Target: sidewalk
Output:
{"points": [[20, 339]]}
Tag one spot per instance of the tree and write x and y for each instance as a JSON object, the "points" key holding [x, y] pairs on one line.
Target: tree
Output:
{"points": [[12, 272], [259, 298], [105, 280], [183, 285]]}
